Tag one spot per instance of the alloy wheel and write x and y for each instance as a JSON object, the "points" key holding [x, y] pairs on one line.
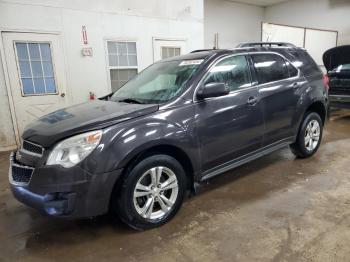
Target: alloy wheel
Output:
{"points": [[312, 135], [155, 192]]}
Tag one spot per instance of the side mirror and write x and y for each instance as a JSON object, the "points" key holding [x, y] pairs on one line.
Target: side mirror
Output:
{"points": [[213, 90]]}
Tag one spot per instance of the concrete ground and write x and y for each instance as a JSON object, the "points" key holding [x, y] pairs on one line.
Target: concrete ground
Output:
{"points": [[277, 208]]}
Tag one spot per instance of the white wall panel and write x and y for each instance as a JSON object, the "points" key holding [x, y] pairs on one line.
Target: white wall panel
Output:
{"points": [[235, 23], [279, 33], [317, 42]]}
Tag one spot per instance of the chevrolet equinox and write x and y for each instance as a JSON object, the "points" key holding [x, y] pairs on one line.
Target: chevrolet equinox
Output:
{"points": [[179, 122]]}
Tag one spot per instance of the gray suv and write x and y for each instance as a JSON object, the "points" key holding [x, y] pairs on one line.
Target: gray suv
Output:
{"points": [[178, 123]]}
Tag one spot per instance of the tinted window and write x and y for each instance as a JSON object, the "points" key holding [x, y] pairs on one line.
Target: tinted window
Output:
{"points": [[292, 70], [233, 71], [270, 68]]}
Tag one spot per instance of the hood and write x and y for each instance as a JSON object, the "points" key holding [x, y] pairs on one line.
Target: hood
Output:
{"points": [[69, 121], [336, 56]]}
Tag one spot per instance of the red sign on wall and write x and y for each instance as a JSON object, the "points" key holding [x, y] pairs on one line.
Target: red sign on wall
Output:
{"points": [[85, 39]]}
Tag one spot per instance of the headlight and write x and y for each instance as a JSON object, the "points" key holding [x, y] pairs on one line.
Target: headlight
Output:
{"points": [[73, 150]]}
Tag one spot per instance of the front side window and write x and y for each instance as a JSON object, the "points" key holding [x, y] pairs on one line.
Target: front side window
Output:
{"points": [[36, 68], [158, 83], [122, 62], [233, 71], [270, 68]]}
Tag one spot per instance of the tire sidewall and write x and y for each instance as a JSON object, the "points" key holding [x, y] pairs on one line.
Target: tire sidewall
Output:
{"points": [[301, 137], [125, 199]]}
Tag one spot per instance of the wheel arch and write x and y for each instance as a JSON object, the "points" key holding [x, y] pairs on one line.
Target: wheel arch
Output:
{"points": [[319, 108], [167, 149]]}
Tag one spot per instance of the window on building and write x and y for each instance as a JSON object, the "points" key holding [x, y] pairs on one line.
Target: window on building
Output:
{"points": [[36, 68], [122, 57], [168, 52]]}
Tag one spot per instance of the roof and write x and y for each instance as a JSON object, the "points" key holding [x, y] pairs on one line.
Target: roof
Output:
{"points": [[242, 48]]}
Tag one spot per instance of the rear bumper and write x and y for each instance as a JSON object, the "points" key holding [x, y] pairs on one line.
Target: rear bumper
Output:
{"points": [[64, 192]]}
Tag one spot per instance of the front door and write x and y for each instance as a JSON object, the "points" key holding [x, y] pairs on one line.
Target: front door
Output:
{"points": [[231, 126], [163, 49], [36, 73]]}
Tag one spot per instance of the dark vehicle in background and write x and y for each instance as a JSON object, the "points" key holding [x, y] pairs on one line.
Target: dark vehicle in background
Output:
{"points": [[178, 123], [337, 63]]}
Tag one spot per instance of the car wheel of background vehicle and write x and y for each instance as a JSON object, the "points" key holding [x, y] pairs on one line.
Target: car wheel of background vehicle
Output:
{"points": [[309, 136], [151, 193]]}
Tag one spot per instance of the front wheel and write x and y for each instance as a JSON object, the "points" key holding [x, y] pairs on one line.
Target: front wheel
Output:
{"points": [[309, 136], [152, 192]]}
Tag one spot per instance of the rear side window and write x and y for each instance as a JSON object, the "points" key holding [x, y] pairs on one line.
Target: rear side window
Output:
{"points": [[233, 71], [270, 68]]}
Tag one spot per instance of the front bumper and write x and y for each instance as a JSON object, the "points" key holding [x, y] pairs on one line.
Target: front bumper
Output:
{"points": [[339, 101], [63, 192]]}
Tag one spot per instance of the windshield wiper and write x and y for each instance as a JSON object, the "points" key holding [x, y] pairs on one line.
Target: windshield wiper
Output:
{"points": [[131, 101]]}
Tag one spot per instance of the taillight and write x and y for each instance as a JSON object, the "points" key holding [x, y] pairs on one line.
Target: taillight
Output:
{"points": [[326, 82]]}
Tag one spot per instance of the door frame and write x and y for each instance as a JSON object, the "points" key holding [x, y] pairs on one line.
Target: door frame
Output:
{"points": [[154, 39], [7, 77]]}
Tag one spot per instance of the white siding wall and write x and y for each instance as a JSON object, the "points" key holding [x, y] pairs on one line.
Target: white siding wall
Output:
{"points": [[7, 135], [234, 22], [107, 19], [323, 14]]}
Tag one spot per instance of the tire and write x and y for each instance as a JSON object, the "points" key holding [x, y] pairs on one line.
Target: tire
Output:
{"points": [[301, 148], [130, 203]]}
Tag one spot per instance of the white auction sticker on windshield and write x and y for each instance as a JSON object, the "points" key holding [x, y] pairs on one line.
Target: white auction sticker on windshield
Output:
{"points": [[191, 62]]}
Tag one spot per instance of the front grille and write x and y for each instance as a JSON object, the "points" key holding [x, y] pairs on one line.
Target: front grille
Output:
{"points": [[32, 148], [335, 90], [21, 174], [339, 86]]}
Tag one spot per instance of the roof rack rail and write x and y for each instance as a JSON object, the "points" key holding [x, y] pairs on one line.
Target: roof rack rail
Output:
{"points": [[201, 50], [262, 44]]}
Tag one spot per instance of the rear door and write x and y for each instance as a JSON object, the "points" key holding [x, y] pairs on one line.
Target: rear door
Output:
{"points": [[230, 126], [279, 90]]}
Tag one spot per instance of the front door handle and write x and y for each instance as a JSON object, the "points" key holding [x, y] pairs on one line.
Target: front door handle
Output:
{"points": [[252, 101], [296, 85]]}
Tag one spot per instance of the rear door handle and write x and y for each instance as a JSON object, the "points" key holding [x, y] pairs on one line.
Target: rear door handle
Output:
{"points": [[252, 101]]}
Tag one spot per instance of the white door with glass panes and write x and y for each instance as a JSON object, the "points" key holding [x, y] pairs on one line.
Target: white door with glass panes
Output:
{"points": [[122, 62], [36, 73], [163, 49]]}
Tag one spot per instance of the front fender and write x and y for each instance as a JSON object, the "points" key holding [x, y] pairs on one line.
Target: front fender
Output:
{"points": [[121, 143]]}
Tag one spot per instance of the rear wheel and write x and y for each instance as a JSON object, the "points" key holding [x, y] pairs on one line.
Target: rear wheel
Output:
{"points": [[309, 136], [152, 192]]}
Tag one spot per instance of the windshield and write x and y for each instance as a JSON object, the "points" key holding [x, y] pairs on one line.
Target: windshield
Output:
{"points": [[158, 83]]}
